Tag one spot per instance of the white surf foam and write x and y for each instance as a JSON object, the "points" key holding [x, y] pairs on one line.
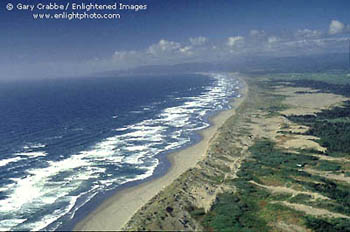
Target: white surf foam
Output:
{"points": [[33, 146], [31, 154], [5, 162], [7, 224]]}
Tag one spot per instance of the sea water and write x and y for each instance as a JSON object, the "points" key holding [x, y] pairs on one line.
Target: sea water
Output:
{"points": [[64, 141]]}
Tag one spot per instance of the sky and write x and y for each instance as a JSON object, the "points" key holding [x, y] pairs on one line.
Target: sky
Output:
{"points": [[167, 32]]}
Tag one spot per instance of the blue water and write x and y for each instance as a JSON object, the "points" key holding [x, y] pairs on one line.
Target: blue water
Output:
{"points": [[62, 142]]}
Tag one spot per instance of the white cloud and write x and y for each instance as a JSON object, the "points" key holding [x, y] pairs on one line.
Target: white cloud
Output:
{"points": [[272, 39], [120, 55], [198, 41], [336, 27], [163, 47], [187, 50], [311, 46], [304, 43], [257, 33], [307, 33], [202, 49], [254, 32], [235, 41], [198, 49], [125, 59]]}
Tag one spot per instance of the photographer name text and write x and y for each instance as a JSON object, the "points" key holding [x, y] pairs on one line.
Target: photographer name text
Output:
{"points": [[77, 6]]}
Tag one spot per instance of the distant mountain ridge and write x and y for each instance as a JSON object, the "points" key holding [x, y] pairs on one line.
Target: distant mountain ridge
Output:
{"points": [[259, 64]]}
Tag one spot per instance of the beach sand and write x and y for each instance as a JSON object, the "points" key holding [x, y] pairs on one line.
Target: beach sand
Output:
{"points": [[116, 211]]}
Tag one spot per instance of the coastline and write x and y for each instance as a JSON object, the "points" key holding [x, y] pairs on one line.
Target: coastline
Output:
{"points": [[117, 210]]}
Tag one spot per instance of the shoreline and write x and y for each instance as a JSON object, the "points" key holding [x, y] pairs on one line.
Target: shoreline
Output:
{"points": [[114, 212]]}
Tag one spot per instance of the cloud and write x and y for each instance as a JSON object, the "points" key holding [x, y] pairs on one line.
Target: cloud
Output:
{"points": [[272, 39], [257, 33], [336, 27], [253, 32], [307, 33], [235, 41], [187, 50], [125, 59], [162, 52], [198, 49], [164, 47], [305, 41], [313, 46], [198, 41], [119, 55]]}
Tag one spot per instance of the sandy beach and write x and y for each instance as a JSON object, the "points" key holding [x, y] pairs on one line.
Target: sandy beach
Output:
{"points": [[115, 211]]}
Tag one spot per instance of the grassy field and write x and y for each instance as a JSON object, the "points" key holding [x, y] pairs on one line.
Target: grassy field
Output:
{"points": [[341, 78], [267, 170], [254, 207]]}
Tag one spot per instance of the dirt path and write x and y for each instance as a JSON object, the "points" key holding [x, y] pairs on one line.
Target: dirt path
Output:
{"points": [[329, 175], [281, 189], [312, 210]]}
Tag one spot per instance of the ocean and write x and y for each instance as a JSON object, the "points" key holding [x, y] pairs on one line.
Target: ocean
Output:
{"points": [[64, 142]]}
